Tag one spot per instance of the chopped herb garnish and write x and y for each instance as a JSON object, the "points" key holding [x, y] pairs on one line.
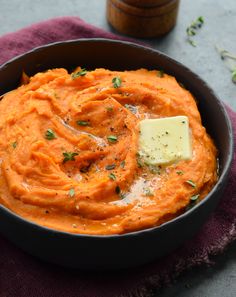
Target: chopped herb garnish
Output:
{"points": [[191, 183], [194, 197], [229, 60], [117, 189], [180, 172], [182, 85], [82, 123], [72, 192], [84, 169], [193, 43], [55, 95], [50, 134], [122, 164], [14, 144], [193, 201], [154, 169], [122, 195], [131, 108], [148, 192], [110, 167], [234, 76], [139, 162], [116, 82], [82, 72], [192, 29], [160, 73], [69, 156], [109, 108], [112, 176], [112, 138]]}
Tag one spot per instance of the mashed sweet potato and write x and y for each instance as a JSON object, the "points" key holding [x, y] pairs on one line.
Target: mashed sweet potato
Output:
{"points": [[68, 151]]}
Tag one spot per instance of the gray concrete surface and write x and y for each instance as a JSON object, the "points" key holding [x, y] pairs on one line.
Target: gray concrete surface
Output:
{"points": [[219, 29]]}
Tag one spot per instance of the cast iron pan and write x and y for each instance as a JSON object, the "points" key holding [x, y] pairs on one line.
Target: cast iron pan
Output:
{"points": [[136, 248]]}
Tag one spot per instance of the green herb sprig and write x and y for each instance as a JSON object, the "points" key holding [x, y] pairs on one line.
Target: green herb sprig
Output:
{"points": [[229, 61], [69, 156], [193, 28], [112, 138], [122, 164], [160, 73], [116, 82], [112, 176], [14, 144], [191, 183], [82, 72], [72, 192], [50, 134], [194, 198], [82, 123], [110, 167]]}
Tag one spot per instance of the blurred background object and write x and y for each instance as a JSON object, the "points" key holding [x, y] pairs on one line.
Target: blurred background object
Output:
{"points": [[142, 18]]}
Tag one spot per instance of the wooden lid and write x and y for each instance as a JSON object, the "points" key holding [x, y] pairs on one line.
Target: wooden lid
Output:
{"points": [[146, 3], [145, 12]]}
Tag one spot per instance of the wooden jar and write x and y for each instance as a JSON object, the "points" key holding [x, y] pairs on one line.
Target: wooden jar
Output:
{"points": [[142, 18]]}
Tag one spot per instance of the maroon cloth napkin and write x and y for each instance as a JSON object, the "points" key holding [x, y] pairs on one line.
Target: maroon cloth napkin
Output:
{"points": [[22, 275]]}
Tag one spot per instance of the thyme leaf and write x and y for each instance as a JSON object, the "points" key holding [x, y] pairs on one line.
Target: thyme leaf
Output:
{"points": [[69, 156], [193, 28], [82, 123], [72, 192], [50, 134], [116, 82], [14, 144], [112, 176], [122, 164], [82, 72], [160, 73], [191, 183], [229, 61], [112, 138], [194, 197], [110, 167]]}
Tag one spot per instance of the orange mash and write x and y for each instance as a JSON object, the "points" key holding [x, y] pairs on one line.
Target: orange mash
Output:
{"points": [[68, 151]]}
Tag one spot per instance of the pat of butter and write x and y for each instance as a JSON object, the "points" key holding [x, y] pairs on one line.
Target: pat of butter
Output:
{"points": [[165, 140]]}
